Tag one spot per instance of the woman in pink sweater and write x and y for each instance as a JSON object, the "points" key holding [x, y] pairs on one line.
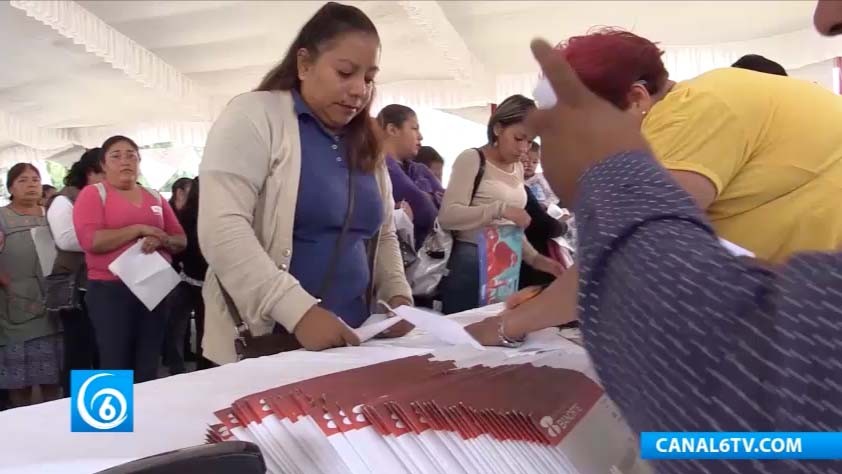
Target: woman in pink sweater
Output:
{"points": [[129, 336]]}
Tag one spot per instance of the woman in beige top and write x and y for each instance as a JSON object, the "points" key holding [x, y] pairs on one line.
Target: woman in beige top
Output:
{"points": [[277, 174], [500, 199]]}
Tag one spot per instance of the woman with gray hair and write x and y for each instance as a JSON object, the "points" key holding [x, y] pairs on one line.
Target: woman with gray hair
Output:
{"points": [[486, 188]]}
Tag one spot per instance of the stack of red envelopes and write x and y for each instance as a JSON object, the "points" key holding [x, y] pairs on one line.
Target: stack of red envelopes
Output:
{"points": [[423, 415]]}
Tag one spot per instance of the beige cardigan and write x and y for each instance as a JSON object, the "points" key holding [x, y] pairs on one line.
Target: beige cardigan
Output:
{"points": [[249, 173]]}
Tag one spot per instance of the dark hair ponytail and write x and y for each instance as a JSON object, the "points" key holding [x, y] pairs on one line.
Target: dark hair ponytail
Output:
{"points": [[394, 114], [190, 211], [329, 22], [90, 162]]}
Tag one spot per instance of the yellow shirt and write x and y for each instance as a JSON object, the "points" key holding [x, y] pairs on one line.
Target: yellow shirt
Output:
{"points": [[772, 147]]}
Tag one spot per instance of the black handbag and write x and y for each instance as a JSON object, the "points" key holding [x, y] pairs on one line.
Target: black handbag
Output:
{"points": [[249, 346], [61, 291]]}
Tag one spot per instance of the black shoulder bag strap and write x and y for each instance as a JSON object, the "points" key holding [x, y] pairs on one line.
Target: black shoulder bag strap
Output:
{"points": [[244, 336], [343, 234], [480, 174]]}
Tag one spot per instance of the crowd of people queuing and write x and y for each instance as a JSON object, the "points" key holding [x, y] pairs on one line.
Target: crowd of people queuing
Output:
{"points": [[80, 315], [296, 235], [324, 253]]}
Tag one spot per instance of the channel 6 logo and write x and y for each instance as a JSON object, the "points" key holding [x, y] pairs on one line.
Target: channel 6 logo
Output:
{"points": [[101, 400]]}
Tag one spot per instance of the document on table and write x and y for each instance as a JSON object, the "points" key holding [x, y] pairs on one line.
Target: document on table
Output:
{"points": [[374, 325], [149, 276], [438, 326], [45, 247]]}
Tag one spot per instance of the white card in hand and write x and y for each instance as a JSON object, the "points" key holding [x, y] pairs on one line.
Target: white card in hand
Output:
{"points": [[735, 249], [149, 276], [438, 326], [544, 94], [374, 325]]}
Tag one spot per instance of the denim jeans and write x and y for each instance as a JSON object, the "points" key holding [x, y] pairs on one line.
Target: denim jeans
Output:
{"points": [[128, 335], [460, 288], [184, 301]]}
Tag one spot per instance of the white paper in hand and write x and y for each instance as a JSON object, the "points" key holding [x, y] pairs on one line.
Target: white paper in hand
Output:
{"points": [[544, 95], [735, 249], [45, 247], [149, 276], [374, 325], [438, 326]]}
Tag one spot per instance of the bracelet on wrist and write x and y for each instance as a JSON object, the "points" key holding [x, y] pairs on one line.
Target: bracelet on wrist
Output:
{"points": [[506, 341]]}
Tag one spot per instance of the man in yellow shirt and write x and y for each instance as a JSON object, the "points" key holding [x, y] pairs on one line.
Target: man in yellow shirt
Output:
{"points": [[762, 154]]}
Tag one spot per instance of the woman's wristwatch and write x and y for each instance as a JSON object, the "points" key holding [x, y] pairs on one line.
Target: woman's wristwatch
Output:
{"points": [[504, 340]]}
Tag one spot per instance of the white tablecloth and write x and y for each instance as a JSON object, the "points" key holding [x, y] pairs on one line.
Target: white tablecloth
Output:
{"points": [[174, 412]]}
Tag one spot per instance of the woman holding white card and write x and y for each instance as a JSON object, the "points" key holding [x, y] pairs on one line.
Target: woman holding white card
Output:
{"points": [[295, 215], [109, 218], [30, 343]]}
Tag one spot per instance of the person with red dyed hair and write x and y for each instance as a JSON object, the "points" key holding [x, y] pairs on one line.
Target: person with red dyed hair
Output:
{"points": [[759, 153]]}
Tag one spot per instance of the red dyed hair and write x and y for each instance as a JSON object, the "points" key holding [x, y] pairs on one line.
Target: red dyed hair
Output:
{"points": [[609, 61]]}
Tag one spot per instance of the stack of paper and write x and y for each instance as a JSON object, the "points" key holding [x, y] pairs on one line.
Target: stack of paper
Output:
{"points": [[462, 411]]}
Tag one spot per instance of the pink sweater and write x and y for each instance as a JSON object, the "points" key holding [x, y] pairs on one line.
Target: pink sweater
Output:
{"points": [[90, 215]]}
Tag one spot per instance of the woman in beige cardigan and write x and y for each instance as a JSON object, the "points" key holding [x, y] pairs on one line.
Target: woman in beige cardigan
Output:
{"points": [[278, 172]]}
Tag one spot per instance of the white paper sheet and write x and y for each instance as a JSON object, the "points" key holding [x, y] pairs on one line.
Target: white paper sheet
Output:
{"points": [[544, 94], [45, 247], [440, 327], [374, 325], [149, 276]]}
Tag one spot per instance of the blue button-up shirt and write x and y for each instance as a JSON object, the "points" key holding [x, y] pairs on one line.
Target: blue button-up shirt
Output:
{"points": [[320, 213], [686, 337]]}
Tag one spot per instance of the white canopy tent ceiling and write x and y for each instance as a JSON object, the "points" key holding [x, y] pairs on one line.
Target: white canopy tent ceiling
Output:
{"points": [[159, 71]]}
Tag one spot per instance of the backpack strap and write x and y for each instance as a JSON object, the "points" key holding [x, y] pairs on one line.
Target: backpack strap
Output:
{"points": [[101, 190], [102, 193]]}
